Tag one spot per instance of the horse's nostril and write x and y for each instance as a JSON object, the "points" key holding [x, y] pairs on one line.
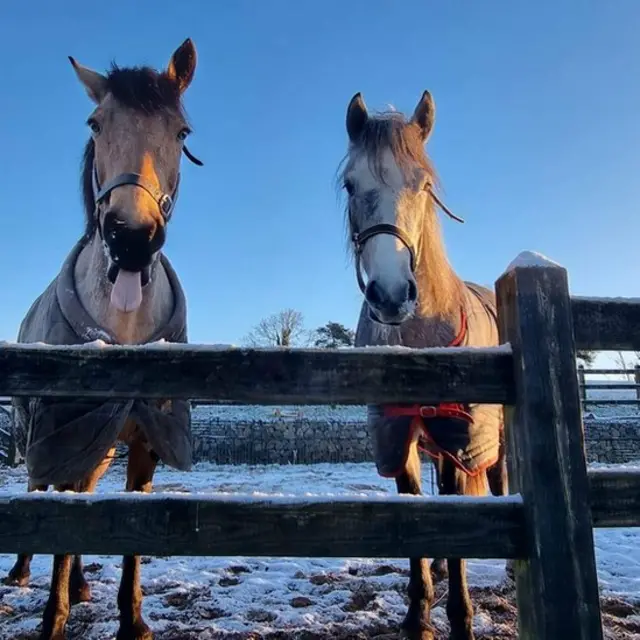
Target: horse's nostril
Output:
{"points": [[412, 294], [374, 293]]}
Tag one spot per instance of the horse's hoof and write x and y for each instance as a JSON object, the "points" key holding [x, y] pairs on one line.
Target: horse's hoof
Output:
{"points": [[417, 634], [16, 581], [136, 631], [414, 628], [467, 634], [80, 593], [17, 578], [57, 633]]}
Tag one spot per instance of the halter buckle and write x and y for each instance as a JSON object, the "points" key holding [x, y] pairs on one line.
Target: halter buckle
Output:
{"points": [[428, 412], [166, 203]]}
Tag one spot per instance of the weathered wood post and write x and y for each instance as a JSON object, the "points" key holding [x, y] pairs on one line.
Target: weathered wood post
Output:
{"points": [[557, 584], [10, 438], [637, 381], [582, 383]]}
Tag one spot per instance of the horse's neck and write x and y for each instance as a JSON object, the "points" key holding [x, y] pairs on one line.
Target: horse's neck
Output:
{"points": [[94, 291]]}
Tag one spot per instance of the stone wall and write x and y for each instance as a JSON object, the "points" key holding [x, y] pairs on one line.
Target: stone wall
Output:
{"points": [[305, 441], [281, 441], [310, 441], [612, 441]]}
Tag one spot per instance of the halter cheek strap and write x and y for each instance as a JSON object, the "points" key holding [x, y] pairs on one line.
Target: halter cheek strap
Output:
{"points": [[359, 240], [165, 202]]}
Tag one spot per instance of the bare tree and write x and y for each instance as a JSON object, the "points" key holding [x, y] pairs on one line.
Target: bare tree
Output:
{"points": [[622, 363], [283, 329]]}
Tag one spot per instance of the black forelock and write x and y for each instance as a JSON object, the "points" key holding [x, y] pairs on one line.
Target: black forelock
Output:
{"points": [[143, 89]]}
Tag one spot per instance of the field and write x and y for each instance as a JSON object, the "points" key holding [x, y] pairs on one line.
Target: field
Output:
{"points": [[259, 598]]}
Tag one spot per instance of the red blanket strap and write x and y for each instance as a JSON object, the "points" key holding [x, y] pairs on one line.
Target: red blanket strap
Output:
{"points": [[443, 410], [462, 334]]}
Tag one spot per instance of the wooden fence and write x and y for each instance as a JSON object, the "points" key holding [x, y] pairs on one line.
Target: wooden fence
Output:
{"points": [[585, 385], [546, 525], [7, 440]]}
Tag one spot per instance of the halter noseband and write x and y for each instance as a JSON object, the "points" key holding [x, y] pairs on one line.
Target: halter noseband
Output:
{"points": [[165, 202], [360, 238]]}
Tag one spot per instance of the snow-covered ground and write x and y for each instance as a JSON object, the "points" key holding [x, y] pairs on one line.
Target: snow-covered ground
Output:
{"points": [[241, 597]]}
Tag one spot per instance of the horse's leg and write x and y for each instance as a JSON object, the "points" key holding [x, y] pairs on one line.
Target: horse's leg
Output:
{"points": [[417, 623], [497, 474], [79, 590], [438, 565], [20, 573], [499, 485], [140, 468], [56, 612], [459, 607]]}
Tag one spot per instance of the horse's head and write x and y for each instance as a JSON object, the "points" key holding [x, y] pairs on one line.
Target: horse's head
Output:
{"points": [[388, 180], [132, 164]]}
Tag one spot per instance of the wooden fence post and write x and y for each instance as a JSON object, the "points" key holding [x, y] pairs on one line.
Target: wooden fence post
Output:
{"points": [[13, 455], [637, 381], [557, 585], [582, 383]]}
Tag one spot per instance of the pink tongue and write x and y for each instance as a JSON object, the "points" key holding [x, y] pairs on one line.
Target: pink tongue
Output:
{"points": [[126, 294]]}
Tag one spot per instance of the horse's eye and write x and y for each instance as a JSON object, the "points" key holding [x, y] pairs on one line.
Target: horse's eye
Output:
{"points": [[182, 136], [94, 126], [348, 185]]}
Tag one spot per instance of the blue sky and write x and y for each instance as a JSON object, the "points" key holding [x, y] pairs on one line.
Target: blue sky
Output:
{"points": [[537, 140]]}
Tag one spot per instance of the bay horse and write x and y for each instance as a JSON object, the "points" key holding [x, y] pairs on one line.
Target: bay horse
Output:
{"points": [[414, 298], [116, 286]]}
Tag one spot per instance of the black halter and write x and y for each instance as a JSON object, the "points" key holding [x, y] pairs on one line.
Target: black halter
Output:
{"points": [[166, 202], [359, 239]]}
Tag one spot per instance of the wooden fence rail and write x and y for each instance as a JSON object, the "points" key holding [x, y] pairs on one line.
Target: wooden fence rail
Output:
{"points": [[546, 525], [260, 376]]}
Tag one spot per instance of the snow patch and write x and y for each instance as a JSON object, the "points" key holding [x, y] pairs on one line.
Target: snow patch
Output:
{"points": [[161, 345], [606, 300], [527, 259], [219, 597]]}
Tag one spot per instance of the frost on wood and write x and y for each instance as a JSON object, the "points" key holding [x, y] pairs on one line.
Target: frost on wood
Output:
{"points": [[527, 259], [265, 500], [173, 347], [606, 300]]}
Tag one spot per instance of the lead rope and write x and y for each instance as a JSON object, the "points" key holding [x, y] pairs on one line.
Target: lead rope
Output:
{"points": [[444, 207]]}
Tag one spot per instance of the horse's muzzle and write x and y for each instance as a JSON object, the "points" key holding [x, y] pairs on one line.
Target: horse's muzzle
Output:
{"points": [[391, 308], [131, 249]]}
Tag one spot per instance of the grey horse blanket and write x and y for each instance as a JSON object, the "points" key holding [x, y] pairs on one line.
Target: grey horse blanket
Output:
{"points": [[469, 435], [63, 439]]}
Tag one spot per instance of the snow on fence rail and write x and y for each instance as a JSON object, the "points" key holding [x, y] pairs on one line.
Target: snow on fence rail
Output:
{"points": [[547, 523]]}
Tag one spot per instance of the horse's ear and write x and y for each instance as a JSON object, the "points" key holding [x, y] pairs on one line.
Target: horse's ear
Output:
{"points": [[94, 83], [357, 117], [425, 115], [182, 65]]}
